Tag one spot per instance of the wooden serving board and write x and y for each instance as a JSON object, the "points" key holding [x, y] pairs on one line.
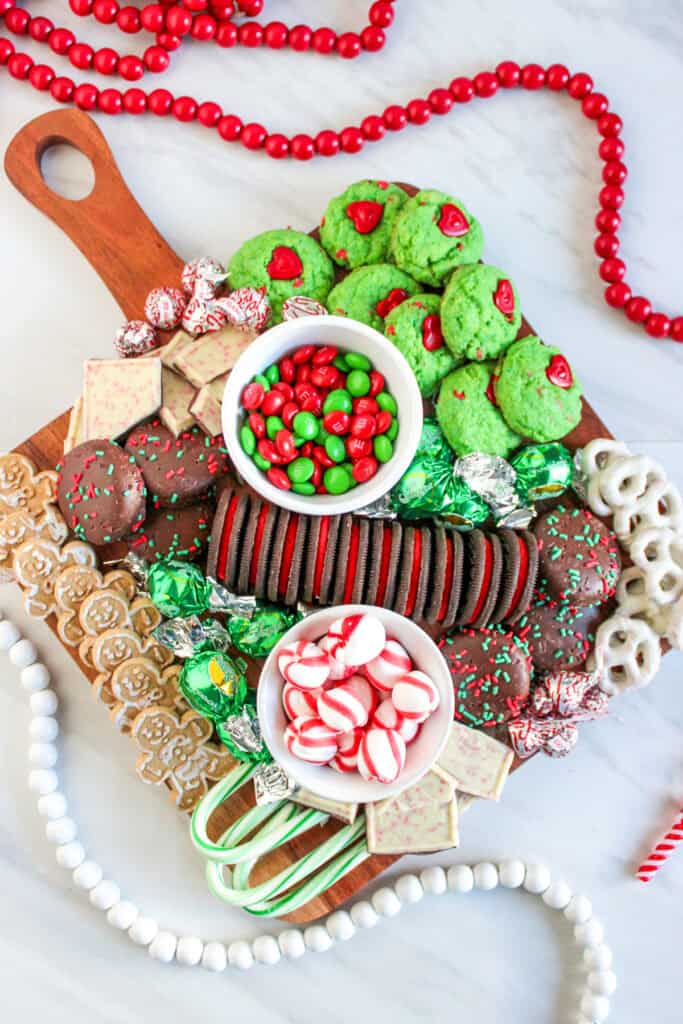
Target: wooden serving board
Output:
{"points": [[123, 246]]}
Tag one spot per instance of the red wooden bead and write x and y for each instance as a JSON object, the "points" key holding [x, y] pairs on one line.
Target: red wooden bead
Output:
{"points": [[557, 77], [612, 270], [128, 20], [395, 118], [509, 73], [251, 34], [279, 478], [184, 108], [275, 35], [324, 40], [131, 68], [610, 125], [300, 37], [168, 41], [153, 17], [611, 197], [373, 128], [614, 173], [352, 139], [252, 8], [106, 61], [327, 143], [6, 51], [533, 76], [134, 101], [230, 127], [105, 11], [40, 76], [676, 332], [657, 325], [178, 21], [253, 135], [81, 8], [160, 102], [40, 29], [196, 6], [611, 149], [81, 56], [85, 96], [381, 14], [606, 246], [17, 21], [61, 40], [638, 309], [617, 295], [19, 65], [372, 38], [204, 27], [156, 59], [580, 86], [110, 101], [227, 34], [209, 114], [348, 45], [595, 105], [61, 89], [608, 221], [485, 84], [222, 10], [462, 89], [441, 101], [364, 469], [418, 111]]}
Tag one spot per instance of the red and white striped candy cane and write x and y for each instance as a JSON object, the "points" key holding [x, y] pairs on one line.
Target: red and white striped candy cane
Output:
{"points": [[662, 851]]}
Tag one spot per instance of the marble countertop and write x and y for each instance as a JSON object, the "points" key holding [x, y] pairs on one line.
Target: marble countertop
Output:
{"points": [[526, 164]]}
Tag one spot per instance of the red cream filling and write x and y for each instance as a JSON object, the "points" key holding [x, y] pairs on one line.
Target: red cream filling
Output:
{"points": [[384, 565], [448, 581], [351, 564], [521, 578], [258, 540], [415, 574], [323, 533]]}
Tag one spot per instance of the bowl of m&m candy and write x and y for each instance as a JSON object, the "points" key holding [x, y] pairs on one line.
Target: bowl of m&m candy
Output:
{"points": [[321, 415], [355, 703]]}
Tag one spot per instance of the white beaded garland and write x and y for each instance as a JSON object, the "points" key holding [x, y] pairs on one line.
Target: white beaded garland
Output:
{"points": [[70, 855], [317, 938], [105, 895], [122, 915], [460, 878], [43, 702], [596, 1008], [557, 895], [598, 958], [340, 926], [215, 957], [43, 781], [266, 950], [143, 931], [163, 947], [9, 634], [409, 889], [579, 910], [511, 873], [591, 933], [87, 875], [485, 876], [434, 881], [386, 902], [43, 755], [603, 983], [23, 654], [363, 914], [291, 943], [43, 730], [536, 878], [189, 951], [35, 677], [53, 805], [240, 955], [60, 830]]}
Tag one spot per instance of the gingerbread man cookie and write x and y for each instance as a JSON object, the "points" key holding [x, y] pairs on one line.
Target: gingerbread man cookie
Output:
{"points": [[139, 683], [37, 564], [18, 527], [22, 489], [108, 609], [111, 648], [74, 585]]}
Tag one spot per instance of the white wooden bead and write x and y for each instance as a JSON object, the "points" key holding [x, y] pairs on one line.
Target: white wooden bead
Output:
{"points": [[143, 931], [591, 933], [291, 943], [61, 830], [580, 909], [317, 938], [511, 873], [557, 895], [434, 880], [603, 983], [43, 781], [536, 878], [35, 677], [598, 958], [460, 878], [215, 957], [363, 914], [105, 895], [87, 875], [386, 902], [44, 702], [23, 654], [409, 889], [240, 955], [53, 805], [43, 730], [43, 755], [190, 950], [266, 950], [9, 634], [122, 915], [340, 926], [485, 876], [163, 947], [596, 1008], [70, 855]]}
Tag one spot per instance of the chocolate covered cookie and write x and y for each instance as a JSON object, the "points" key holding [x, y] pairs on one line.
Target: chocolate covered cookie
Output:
{"points": [[177, 470], [100, 492], [173, 533], [491, 672], [560, 635], [578, 556]]}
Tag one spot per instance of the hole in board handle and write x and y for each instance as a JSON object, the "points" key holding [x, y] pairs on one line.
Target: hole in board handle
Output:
{"points": [[67, 171]]}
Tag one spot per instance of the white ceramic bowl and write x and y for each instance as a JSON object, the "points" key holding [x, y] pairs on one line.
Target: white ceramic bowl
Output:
{"points": [[421, 753], [354, 337]]}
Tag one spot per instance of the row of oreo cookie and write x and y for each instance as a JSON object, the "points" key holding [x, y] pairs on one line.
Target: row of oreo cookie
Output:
{"points": [[426, 573]]}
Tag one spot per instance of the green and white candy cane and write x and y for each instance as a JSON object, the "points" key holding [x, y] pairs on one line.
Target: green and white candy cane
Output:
{"points": [[189, 950]]}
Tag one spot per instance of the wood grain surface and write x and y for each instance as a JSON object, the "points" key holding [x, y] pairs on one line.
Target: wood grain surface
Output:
{"points": [[123, 246]]}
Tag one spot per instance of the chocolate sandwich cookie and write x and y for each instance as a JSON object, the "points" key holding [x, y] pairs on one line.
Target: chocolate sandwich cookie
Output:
{"points": [[455, 576], [409, 546], [520, 568], [388, 566], [225, 547], [424, 574], [177, 470], [286, 524], [413, 572], [173, 533], [292, 564], [561, 635], [438, 575], [484, 563], [234, 551], [262, 553], [100, 492], [579, 556], [491, 673], [256, 508], [311, 555], [362, 565], [352, 560], [326, 559], [343, 572], [377, 528]]}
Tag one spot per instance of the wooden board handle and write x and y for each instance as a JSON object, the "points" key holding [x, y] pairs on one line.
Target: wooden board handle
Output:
{"points": [[108, 226]]}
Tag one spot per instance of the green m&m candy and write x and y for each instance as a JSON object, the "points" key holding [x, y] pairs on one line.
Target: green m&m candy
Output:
{"points": [[357, 361], [392, 431], [248, 440], [272, 374], [305, 425], [387, 402], [383, 448], [335, 448], [273, 424], [300, 470], [305, 488], [337, 480], [261, 379], [259, 461], [341, 363], [358, 383], [338, 400]]}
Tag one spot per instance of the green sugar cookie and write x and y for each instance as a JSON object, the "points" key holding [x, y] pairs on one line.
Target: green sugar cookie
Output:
{"points": [[285, 263], [370, 293], [433, 234], [480, 312], [357, 225], [414, 328], [537, 391], [468, 415]]}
